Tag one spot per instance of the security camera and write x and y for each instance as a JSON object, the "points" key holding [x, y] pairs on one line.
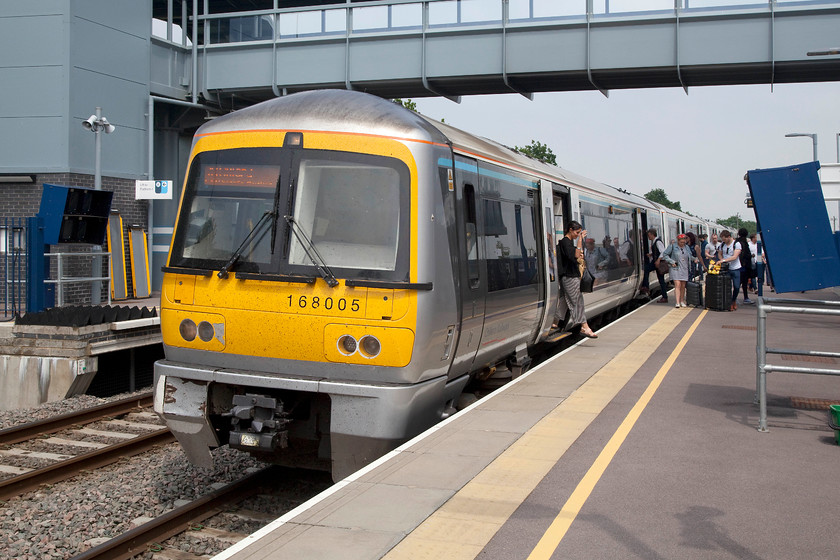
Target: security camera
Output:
{"points": [[88, 124]]}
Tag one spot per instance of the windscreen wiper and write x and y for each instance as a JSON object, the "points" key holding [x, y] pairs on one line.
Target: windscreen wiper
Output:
{"points": [[319, 263], [234, 257]]}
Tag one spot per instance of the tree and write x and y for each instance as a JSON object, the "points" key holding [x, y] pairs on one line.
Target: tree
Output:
{"points": [[407, 103], [659, 196], [538, 151], [735, 222]]}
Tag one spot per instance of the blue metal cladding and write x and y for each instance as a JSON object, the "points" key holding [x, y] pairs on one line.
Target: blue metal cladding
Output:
{"points": [[793, 221]]}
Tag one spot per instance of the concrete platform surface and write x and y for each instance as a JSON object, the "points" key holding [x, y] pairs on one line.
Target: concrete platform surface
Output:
{"points": [[640, 444]]}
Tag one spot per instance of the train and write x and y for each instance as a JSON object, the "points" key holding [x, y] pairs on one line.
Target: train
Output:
{"points": [[343, 269]]}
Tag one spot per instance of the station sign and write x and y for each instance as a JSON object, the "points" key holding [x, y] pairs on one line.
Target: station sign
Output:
{"points": [[153, 190]]}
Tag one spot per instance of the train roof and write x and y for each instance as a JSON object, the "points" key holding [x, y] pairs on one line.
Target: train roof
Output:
{"points": [[357, 112]]}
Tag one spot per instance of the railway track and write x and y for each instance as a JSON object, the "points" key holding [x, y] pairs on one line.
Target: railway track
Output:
{"points": [[147, 537], [85, 454]]}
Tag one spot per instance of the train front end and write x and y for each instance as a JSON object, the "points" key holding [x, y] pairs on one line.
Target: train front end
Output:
{"points": [[290, 298]]}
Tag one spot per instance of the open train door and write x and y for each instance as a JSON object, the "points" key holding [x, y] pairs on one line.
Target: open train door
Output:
{"points": [[554, 206]]}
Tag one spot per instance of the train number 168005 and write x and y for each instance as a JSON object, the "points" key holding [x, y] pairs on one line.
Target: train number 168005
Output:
{"points": [[328, 303]]}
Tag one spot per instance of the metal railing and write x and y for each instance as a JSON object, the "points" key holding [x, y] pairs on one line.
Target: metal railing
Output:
{"points": [[61, 280], [13, 264], [782, 305]]}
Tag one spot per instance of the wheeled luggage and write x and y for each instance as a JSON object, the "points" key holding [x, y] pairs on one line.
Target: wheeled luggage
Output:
{"points": [[693, 294], [718, 292]]}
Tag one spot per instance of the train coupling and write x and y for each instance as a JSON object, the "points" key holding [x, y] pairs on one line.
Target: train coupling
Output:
{"points": [[258, 422]]}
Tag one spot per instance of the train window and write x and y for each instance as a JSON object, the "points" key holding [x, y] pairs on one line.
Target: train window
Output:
{"points": [[510, 244], [471, 235], [354, 208], [227, 196], [609, 248]]}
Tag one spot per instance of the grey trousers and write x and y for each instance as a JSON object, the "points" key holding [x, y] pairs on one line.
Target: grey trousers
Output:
{"points": [[570, 299]]}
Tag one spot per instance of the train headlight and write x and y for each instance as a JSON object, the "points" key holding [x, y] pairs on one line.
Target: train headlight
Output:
{"points": [[205, 331], [347, 345], [188, 330], [370, 346]]}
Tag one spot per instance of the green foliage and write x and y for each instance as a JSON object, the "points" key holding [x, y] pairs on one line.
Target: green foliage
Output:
{"points": [[407, 103], [538, 151], [659, 196], [735, 222]]}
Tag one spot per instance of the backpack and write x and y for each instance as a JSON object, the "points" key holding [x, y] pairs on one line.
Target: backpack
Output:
{"points": [[746, 255]]}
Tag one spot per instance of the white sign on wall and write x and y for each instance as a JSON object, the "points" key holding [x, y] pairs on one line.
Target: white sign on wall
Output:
{"points": [[153, 190]]}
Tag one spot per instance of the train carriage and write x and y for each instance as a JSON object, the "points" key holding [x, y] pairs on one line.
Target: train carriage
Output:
{"points": [[342, 268]]}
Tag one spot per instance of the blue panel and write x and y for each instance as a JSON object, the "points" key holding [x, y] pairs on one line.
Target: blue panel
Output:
{"points": [[793, 220]]}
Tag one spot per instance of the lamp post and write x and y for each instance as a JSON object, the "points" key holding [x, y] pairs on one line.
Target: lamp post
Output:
{"points": [[811, 135], [96, 123]]}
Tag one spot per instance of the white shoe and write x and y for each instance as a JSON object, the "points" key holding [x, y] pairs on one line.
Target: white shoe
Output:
{"points": [[677, 305], [682, 304]]}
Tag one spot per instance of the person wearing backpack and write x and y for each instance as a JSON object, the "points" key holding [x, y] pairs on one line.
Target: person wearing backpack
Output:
{"points": [[652, 262], [747, 268]]}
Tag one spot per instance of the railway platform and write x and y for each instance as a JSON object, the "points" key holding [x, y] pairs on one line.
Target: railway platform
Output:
{"points": [[642, 443]]}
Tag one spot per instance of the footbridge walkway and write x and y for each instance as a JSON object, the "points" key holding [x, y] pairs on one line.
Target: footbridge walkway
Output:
{"points": [[414, 48]]}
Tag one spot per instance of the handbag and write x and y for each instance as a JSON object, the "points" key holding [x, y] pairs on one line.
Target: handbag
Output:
{"points": [[663, 267], [587, 281]]}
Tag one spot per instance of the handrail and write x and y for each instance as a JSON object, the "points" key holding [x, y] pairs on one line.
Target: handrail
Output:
{"points": [[765, 306], [61, 280]]}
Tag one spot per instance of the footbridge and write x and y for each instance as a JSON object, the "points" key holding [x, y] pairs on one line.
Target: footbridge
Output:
{"points": [[410, 48]]}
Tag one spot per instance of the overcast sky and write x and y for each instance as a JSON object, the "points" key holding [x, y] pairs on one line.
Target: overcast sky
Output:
{"points": [[696, 147]]}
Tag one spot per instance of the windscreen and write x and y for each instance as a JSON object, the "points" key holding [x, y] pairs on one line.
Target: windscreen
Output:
{"points": [[228, 194], [353, 209]]}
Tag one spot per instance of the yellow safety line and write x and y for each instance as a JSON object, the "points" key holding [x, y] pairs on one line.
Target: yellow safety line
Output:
{"points": [[461, 528], [555, 533]]}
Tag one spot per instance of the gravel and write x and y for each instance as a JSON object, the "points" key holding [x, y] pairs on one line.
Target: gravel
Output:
{"points": [[9, 418], [62, 520]]}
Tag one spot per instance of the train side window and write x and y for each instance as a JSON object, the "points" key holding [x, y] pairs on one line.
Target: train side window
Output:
{"points": [[471, 235]]}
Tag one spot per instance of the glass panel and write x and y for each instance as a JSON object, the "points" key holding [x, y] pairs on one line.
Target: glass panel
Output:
{"points": [[475, 11], [723, 3], [300, 23], [443, 13], [510, 242], [619, 6], [352, 213], [335, 21], [228, 194], [519, 9], [407, 15], [555, 8], [375, 17]]}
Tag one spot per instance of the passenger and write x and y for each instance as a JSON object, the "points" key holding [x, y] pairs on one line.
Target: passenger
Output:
{"points": [[651, 263], [569, 250], [730, 253], [679, 256], [597, 260], [704, 243], [754, 252], [712, 248], [747, 263], [626, 253], [697, 267]]}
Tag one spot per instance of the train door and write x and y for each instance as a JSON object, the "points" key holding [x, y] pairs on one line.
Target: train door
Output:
{"points": [[551, 200], [472, 276]]}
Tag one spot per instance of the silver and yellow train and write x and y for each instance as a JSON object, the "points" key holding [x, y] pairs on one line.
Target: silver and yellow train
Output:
{"points": [[342, 268]]}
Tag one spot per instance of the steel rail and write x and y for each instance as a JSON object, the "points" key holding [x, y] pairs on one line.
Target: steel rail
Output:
{"points": [[137, 540], [16, 434], [63, 470]]}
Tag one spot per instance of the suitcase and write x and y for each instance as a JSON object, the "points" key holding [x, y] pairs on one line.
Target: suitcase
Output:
{"points": [[693, 294], [718, 292]]}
